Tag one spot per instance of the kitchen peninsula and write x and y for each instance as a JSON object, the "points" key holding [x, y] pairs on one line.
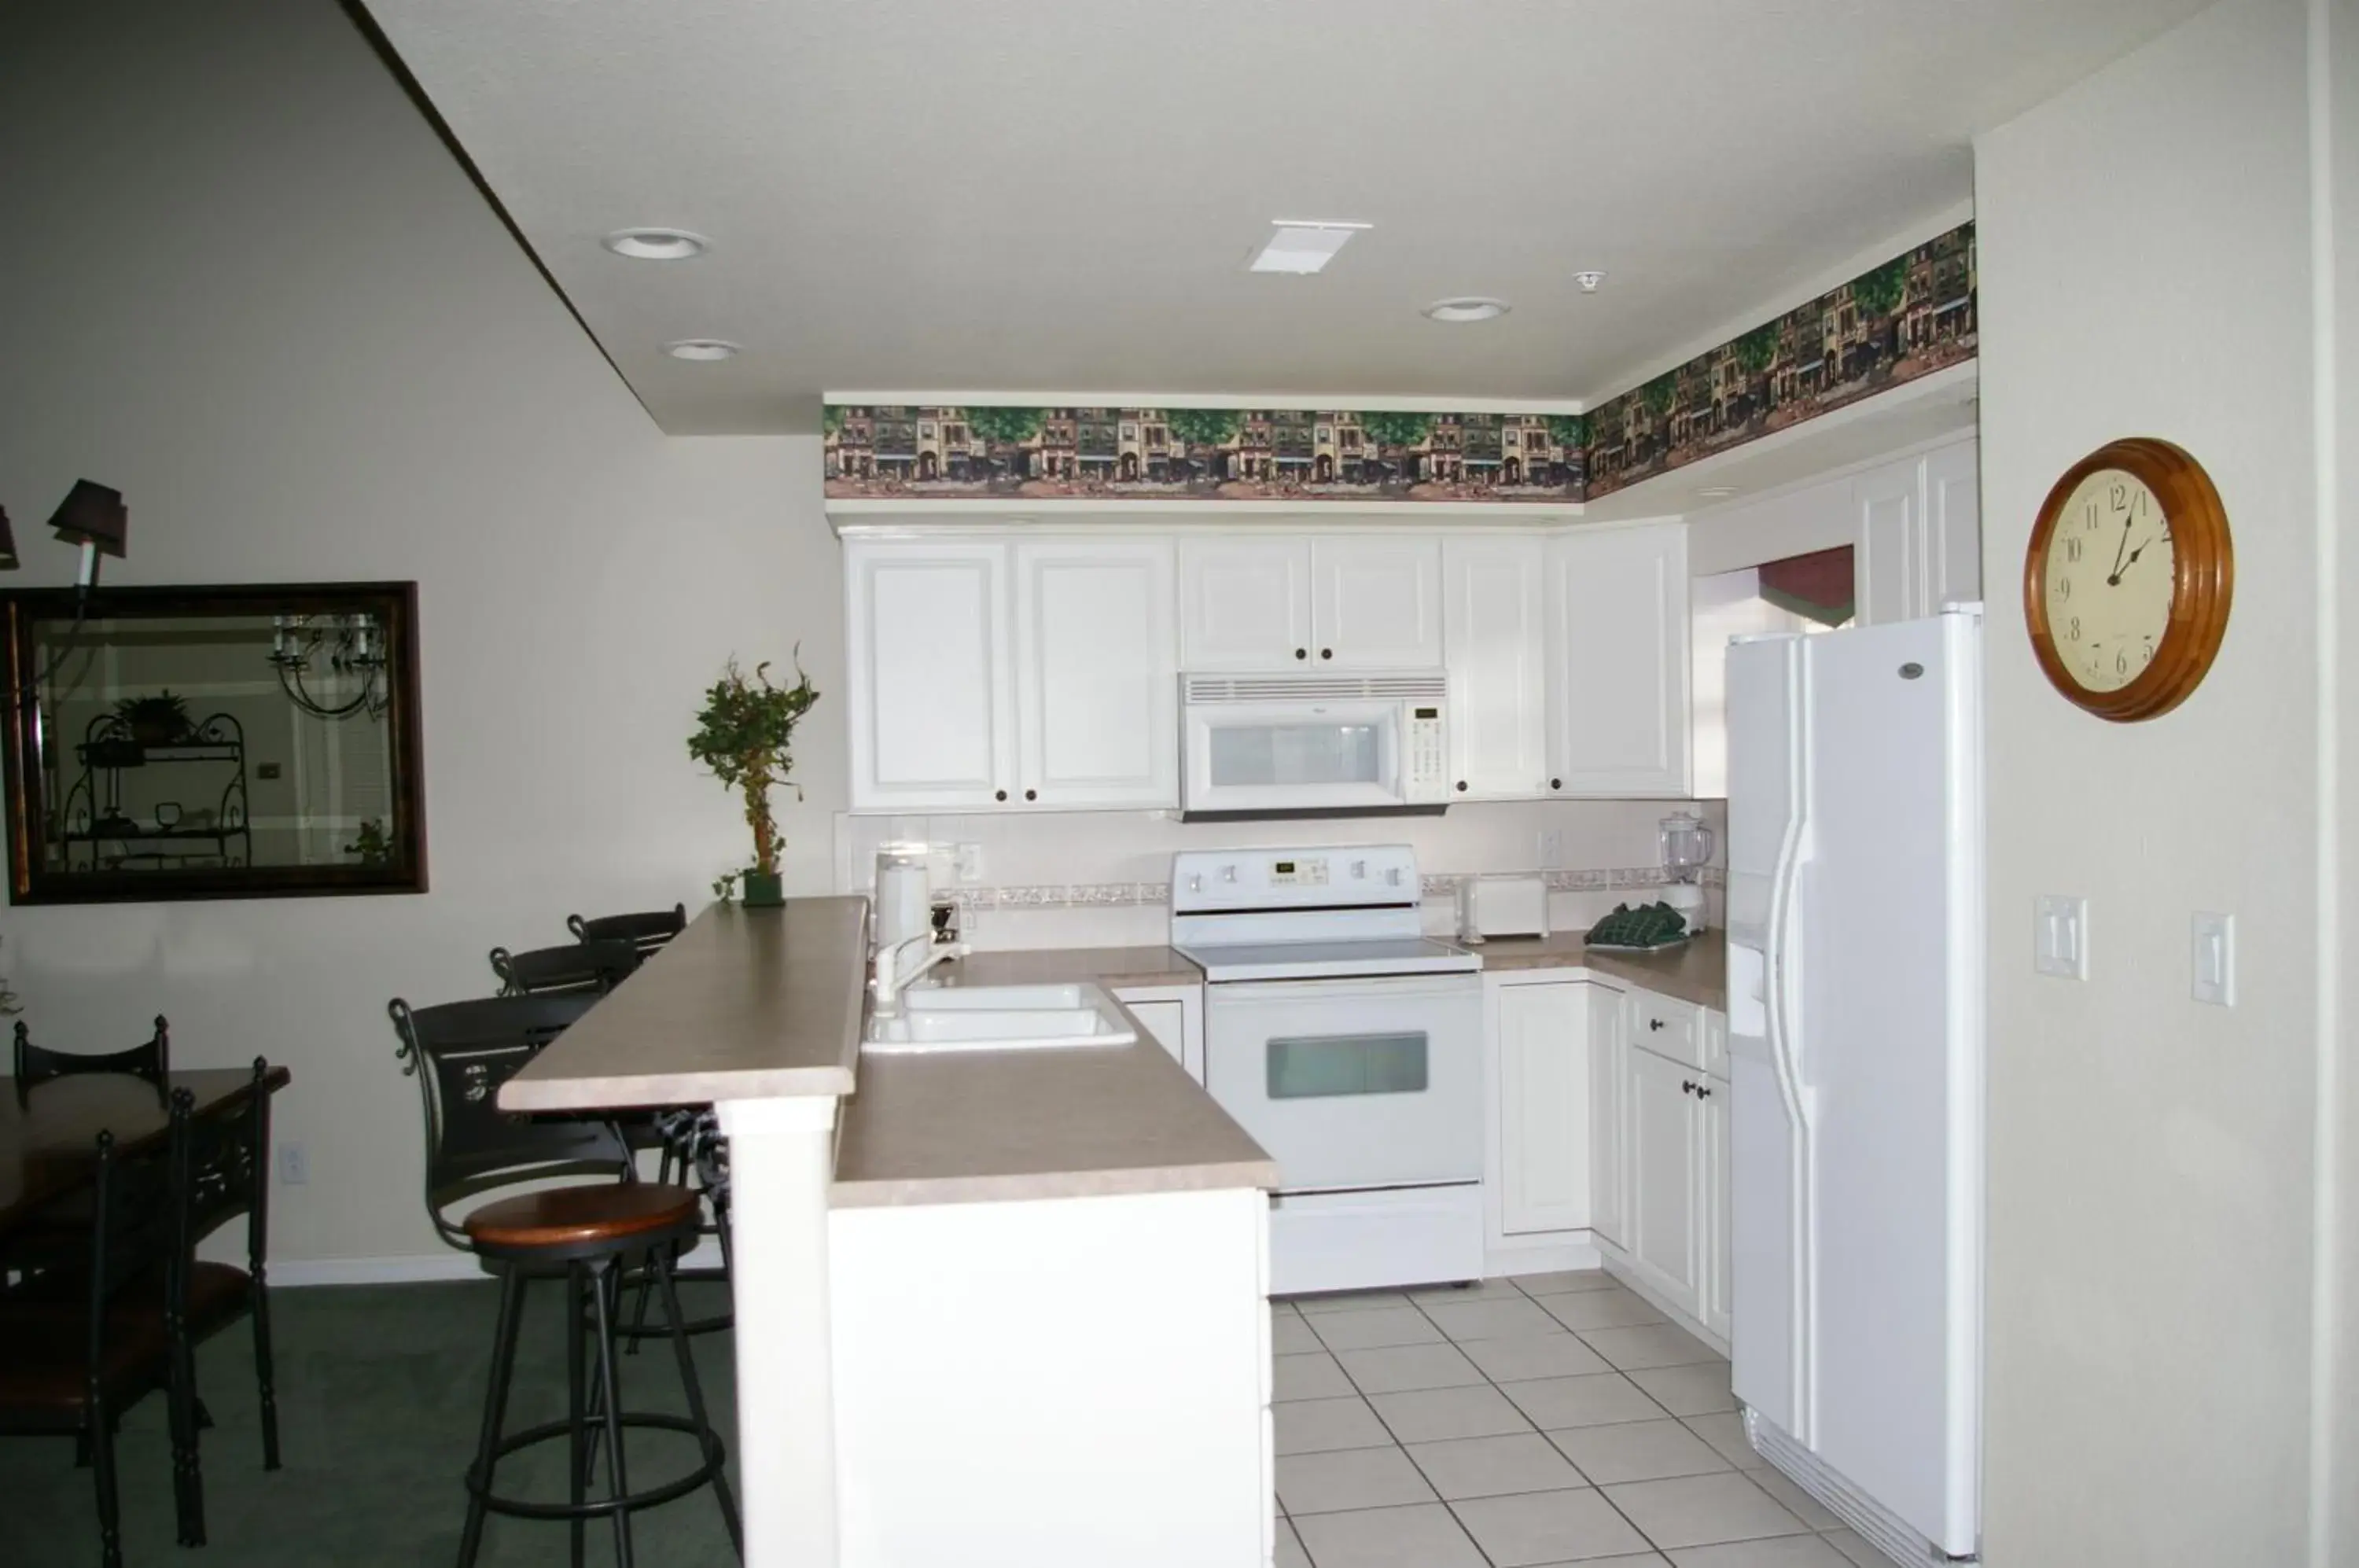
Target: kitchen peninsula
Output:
{"points": [[946, 1264]]}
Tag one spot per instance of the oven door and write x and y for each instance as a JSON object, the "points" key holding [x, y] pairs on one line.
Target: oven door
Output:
{"points": [[1351, 1083], [1278, 756]]}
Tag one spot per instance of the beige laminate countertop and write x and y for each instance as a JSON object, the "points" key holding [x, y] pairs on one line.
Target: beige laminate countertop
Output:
{"points": [[988, 1127], [1697, 973], [745, 1004]]}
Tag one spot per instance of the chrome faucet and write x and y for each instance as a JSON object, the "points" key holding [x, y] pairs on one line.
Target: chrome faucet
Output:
{"points": [[889, 979]]}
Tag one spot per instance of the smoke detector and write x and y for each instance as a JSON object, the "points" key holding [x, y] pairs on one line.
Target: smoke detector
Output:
{"points": [[1588, 281]]}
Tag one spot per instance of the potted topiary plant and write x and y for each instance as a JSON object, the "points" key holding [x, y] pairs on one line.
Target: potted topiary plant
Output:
{"points": [[158, 719], [743, 733]]}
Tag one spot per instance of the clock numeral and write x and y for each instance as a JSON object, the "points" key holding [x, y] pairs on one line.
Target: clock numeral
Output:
{"points": [[2072, 551], [2089, 523], [2064, 585], [2122, 662], [2147, 657], [2118, 498], [2073, 629]]}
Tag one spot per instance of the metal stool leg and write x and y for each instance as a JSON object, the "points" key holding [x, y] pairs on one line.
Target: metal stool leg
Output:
{"points": [[576, 1347], [618, 1479], [495, 1402], [695, 1392]]}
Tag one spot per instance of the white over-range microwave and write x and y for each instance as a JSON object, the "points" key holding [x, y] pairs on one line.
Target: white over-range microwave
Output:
{"points": [[1276, 744]]}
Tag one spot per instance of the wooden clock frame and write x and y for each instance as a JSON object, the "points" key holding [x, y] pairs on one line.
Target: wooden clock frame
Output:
{"points": [[2203, 579]]}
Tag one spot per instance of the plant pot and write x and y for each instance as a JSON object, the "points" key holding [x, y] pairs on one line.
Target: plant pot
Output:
{"points": [[158, 732], [761, 890]]}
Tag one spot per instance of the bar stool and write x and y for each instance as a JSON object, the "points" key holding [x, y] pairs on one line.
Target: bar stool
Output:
{"points": [[585, 1235], [645, 930], [595, 966]]}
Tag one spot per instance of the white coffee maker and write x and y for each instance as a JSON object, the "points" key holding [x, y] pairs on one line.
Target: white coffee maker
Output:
{"points": [[1686, 846]]}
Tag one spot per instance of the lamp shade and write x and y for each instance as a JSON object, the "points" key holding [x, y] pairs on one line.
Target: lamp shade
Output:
{"points": [[7, 543], [92, 514]]}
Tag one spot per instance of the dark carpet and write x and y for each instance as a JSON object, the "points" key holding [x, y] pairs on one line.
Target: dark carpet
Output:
{"points": [[380, 1399]]}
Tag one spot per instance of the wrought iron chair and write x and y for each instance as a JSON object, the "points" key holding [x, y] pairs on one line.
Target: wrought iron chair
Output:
{"points": [[646, 931], [584, 1233], [72, 1368], [594, 967]]}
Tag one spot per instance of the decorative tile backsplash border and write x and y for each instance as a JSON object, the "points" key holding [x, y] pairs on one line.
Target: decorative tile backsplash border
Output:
{"points": [[1156, 895]]}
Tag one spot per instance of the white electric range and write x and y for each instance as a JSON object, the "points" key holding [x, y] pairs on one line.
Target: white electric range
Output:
{"points": [[1350, 1045]]}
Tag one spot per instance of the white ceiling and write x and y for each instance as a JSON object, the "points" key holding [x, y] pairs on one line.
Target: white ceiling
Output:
{"points": [[1060, 195]]}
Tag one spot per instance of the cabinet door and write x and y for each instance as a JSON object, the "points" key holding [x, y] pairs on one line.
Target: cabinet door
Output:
{"points": [[1618, 656], [929, 701], [1244, 603], [1887, 568], [1711, 1196], [1097, 668], [1544, 1112], [1376, 602], [1609, 1167], [1493, 599], [1663, 1161], [1953, 525]]}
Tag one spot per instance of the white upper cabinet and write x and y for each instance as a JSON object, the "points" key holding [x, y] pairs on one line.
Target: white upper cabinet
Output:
{"points": [[1953, 525], [1097, 697], [1619, 649], [1376, 602], [1494, 610], [1919, 541], [931, 707], [989, 676], [1244, 603]]}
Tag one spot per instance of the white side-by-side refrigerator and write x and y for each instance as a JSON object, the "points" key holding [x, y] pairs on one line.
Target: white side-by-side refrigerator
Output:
{"points": [[1855, 1044]]}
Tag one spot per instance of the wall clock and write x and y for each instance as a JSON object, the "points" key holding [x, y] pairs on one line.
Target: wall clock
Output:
{"points": [[2126, 583]]}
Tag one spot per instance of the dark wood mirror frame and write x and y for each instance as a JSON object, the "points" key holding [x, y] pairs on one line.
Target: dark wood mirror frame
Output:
{"points": [[33, 879]]}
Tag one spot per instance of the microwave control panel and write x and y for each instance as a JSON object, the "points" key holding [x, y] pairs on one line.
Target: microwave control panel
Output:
{"points": [[1426, 769]]}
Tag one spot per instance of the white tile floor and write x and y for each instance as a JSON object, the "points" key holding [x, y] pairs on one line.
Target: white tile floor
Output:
{"points": [[1528, 1423]]}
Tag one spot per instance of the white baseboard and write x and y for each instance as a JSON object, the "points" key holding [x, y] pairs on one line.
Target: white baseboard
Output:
{"points": [[419, 1268], [1619, 1267], [1543, 1257]]}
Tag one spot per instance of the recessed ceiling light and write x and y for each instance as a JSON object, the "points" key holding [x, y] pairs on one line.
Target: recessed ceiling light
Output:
{"points": [[702, 349], [1717, 492], [1468, 308], [657, 244], [1302, 246]]}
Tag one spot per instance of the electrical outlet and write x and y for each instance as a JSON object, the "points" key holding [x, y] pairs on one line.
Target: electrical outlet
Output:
{"points": [[294, 1165], [2215, 937], [969, 863], [266, 770], [2060, 936], [1552, 848]]}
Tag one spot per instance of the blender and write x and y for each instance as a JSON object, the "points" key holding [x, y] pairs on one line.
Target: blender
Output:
{"points": [[1686, 846]]}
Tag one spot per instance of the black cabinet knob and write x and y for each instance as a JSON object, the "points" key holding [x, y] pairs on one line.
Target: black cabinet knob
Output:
{"points": [[1326, 653], [999, 794], [1687, 1086], [1462, 786], [1031, 794], [1302, 653], [1555, 783], [1654, 1023], [1703, 1091]]}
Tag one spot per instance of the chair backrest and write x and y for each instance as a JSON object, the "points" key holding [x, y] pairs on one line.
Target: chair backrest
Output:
{"points": [[593, 967], [221, 1168], [646, 931], [37, 1064], [461, 1053]]}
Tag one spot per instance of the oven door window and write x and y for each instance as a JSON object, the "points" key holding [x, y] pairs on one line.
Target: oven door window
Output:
{"points": [[1327, 1067], [1259, 756]]}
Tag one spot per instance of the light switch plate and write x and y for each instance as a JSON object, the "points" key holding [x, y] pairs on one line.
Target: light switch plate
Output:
{"points": [[2213, 959], [2060, 936]]}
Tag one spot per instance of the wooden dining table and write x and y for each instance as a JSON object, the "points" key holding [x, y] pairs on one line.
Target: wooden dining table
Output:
{"points": [[49, 1134]]}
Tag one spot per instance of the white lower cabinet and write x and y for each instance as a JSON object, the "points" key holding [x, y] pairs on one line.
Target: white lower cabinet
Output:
{"points": [[1659, 1143], [1665, 1145], [1542, 1032]]}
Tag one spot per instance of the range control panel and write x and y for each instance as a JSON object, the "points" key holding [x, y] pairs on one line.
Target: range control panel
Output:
{"points": [[1331, 877]]}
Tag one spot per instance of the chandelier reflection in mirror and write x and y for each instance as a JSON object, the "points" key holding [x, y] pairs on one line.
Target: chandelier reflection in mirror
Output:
{"points": [[339, 651]]}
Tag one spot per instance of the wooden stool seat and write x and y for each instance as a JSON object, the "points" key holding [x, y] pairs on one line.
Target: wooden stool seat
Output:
{"points": [[598, 1213]]}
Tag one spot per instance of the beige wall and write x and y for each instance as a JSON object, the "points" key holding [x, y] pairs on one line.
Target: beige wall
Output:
{"points": [[251, 289], [2337, 1387], [2146, 269]]}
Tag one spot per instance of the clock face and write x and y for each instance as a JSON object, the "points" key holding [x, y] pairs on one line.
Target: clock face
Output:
{"points": [[2109, 580]]}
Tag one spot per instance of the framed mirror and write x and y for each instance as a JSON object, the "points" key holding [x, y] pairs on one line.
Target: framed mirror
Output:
{"points": [[213, 743]]}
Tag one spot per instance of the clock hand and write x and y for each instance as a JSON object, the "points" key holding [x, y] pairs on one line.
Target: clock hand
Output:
{"points": [[2133, 559], [2114, 577]]}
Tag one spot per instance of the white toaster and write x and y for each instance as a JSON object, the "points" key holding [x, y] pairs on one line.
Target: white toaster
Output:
{"points": [[1503, 906]]}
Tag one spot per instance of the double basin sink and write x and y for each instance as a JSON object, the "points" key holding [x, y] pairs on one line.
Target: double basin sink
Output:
{"points": [[999, 1018]]}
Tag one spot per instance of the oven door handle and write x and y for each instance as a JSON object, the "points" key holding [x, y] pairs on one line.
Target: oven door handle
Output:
{"points": [[1345, 988]]}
